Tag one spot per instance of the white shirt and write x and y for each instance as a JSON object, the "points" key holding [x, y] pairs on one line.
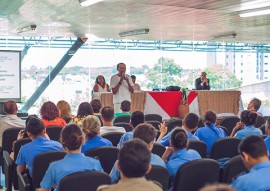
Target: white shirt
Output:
{"points": [[96, 95], [123, 92], [109, 129], [101, 89]]}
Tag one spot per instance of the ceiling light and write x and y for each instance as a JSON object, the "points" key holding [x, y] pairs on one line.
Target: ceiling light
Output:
{"points": [[134, 32], [27, 28], [225, 35], [85, 3], [255, 12]]}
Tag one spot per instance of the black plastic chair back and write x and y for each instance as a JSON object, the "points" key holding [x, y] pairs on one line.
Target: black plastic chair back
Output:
{"points": [[198, 146], [107, 156], [114, 137], [41, 163], [8, 169], [119, 119], [259, 121], [229, 123], [225, 148], [84, 181], [153, 117], [195, 174], [54, 132], [24, 184], [175, 123], [234, 167], [158, 149], [9, 136], [127, 127], [159, 174], [154, 123]]}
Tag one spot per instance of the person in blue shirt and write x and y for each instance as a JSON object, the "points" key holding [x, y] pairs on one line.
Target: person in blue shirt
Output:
{"points": [[147, 133], [210, 133], [177, 155], [267, 139], [255, 157], [35, 130], [137, 117], [72, 138], [190, 123], [90, 127], [247, 120]]}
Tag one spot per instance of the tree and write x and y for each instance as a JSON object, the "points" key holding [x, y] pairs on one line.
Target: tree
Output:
{"points": [[221, 77], [164, 74]]}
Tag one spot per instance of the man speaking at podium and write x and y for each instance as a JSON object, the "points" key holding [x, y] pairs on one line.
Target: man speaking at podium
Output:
{"points": [[202, 83]]}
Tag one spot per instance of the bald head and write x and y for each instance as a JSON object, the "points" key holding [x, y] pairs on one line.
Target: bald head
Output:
{"points": [[10, 107]]}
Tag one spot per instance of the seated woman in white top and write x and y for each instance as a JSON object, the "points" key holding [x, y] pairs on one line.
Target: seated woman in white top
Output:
{"points": [[101, 85]]}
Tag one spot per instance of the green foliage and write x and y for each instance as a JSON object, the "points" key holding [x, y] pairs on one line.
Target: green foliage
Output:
{"points": [[164, 74]]}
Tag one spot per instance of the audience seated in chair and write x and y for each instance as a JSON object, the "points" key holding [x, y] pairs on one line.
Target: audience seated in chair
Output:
{"points": [[189, 123], [11, 119], [91, 128], [36, 131], [72, 139], [50, 115], [177, 154], [255, 157], [247, 120], [133, 164], [84, 110], [96, 105], [64, 110], [147, 133], [210, 133], [267, 139], [136, 118], [254, 105], [125, 107], [107, 114]]}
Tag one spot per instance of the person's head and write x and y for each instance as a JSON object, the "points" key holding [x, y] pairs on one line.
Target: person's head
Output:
{"points": [[91, 126], [133, 77], [100, 80], [253, 150], [107, 113], [49, 111], [136, 118], [254, 104], [134, 159], [71, 137], [190, 122], [203, 75], [10, 107], [125, 106], [179, 139], [29, 118], [121, 68], [248, 117], [84, 109], [147, 133], [209, 117], [64, 107], [96, 105], [267, 126], [217, 187], [35, 128]]}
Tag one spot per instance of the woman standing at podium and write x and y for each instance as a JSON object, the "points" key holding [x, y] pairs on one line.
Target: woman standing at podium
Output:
{"points": [[100, 87]]}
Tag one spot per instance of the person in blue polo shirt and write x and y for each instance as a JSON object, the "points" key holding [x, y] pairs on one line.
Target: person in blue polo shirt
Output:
{"points": [[72, 138], [35, 130], [137, 117], [210, 133], [255, 157], [190, 123], [267, 139], [91, 126], [147, 133], [248, 119], [177, 155]]}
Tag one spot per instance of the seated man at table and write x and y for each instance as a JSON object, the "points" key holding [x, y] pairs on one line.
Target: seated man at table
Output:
{"points": [[255, 157], [202, 83]]}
